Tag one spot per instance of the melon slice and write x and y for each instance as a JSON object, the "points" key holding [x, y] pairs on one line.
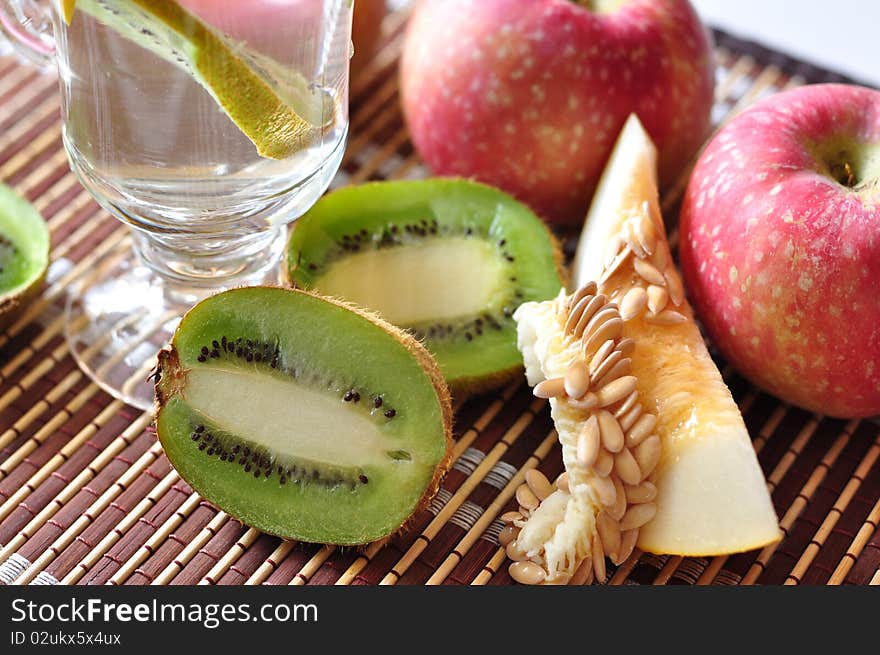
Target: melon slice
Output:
{"points": [[655, 449], [713, 498]]}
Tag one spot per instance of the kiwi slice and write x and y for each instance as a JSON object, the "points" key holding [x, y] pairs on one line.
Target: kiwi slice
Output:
{"points": [[301, 416], [271, 104], [24, 253], [448, 260]]}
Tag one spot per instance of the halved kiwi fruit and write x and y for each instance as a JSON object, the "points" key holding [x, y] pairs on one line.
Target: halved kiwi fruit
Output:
{"points": [[301, 416], [448, 260], [271, 104], [24, 253]]}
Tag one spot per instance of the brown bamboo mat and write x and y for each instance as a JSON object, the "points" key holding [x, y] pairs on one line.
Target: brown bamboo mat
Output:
{"points": [[87, 497]]}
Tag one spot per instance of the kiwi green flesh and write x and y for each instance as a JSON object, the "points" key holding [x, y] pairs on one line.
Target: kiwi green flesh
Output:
{"points": [[343, 425], [24, 248], [271, 104], [447, 259]]}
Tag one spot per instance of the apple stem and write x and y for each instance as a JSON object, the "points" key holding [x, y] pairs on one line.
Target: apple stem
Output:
{"points": [[850, 178], [844, 174]]}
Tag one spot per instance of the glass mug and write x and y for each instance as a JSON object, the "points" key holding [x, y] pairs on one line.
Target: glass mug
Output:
{"points": [[168, 123]]}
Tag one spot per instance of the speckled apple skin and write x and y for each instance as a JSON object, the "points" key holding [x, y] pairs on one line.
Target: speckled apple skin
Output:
{"points": [[529, 95], [780, 260]]}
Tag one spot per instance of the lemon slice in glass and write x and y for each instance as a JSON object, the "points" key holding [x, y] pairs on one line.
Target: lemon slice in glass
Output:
{"points": [[273, 105], [67, 7]]}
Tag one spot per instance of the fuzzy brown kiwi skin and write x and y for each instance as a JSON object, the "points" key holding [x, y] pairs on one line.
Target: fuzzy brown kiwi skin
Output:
{"points": [[170, 379]]}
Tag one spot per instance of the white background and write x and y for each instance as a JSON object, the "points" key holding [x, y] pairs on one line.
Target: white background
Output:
{"points": [[843, 35]]}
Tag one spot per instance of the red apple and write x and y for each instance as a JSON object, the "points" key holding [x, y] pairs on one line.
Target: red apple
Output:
{"points": [[780, 246], [529, 95]]}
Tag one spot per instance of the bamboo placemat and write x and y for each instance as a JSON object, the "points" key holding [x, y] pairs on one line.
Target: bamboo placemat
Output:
{"points": [[87, 496]]}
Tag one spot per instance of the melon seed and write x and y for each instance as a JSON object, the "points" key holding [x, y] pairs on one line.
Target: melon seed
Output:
{"points": [[606, 365], [594, 306], [604, 463], [551, 388], [576, 313], [587, 401], [673, 283], [609, 533], [628, 541], [627, 468], [588, 442], [601, 355], [666, 317], [645, 234], [514, 552], [637, 516], [640, 430], [633, 303], [618, 509], [577, 379], [647, 454], [526, 498], [612, 435], [627, 346], [538, 483], [621, 368], [641, 493], [598, 559], [510, 517], [605, 490], [507, 535], [610, 329], [648, 272], [561, 482], [657, 298], [629, 419], [584, 573], [527, 573], [616, 390]]}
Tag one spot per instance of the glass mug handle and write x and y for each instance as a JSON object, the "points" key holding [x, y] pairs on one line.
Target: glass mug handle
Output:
{"points": [[27, 24]]}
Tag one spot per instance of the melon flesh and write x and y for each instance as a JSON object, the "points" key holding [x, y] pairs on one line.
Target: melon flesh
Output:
{"points": [[712, 496]]}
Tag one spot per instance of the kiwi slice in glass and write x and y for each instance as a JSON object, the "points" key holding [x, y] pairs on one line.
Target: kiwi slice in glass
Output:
{"points": [[273, 105], [301, 416], [446, 259], [24, 253]]}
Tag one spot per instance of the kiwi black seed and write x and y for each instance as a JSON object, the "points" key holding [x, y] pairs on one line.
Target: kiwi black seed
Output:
{"points": [[324, 440], [24, 253], [447, 260]]}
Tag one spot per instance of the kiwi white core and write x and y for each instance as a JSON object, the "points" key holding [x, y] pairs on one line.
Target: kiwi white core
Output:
{"points": [[415, 283], [252, 405]]}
